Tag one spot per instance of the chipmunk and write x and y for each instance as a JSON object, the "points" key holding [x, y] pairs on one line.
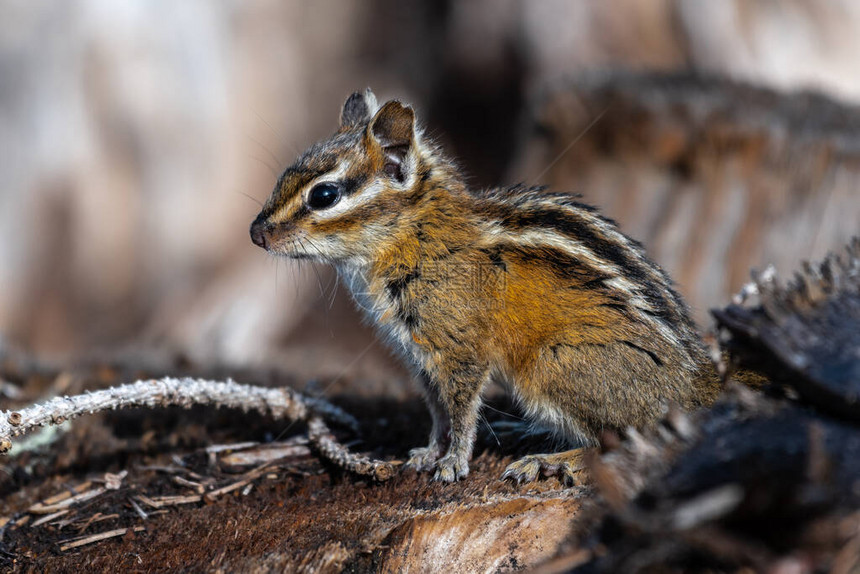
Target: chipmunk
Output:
{"points": [[530, 288]]}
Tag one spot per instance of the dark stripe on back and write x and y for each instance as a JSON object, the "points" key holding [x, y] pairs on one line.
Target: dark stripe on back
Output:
{"points": [[640, 271], [648, 352], [562, 264]]}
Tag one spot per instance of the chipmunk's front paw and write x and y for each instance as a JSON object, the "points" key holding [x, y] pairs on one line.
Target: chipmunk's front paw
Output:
{"points": [[424, 459], [567, 464], [451, 467]]}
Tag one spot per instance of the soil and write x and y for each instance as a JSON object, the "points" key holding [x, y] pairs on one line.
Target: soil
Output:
{"points": [[296, 513]]}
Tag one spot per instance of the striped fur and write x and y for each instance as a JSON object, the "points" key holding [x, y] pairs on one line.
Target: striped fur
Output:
{"points": [[520, 284]]}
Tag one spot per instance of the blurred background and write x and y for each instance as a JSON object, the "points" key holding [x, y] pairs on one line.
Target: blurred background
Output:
{"points": [[137, 138]]}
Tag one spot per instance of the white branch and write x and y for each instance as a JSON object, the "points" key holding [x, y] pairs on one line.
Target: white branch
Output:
{"points": [[324, 441], [186, 392]]}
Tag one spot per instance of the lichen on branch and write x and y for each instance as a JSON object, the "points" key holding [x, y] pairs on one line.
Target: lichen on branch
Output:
{"points": [[280, 403]]}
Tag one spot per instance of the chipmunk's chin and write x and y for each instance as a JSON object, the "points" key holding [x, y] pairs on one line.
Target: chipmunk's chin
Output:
{"points": [[291, 249], [302, 250], [294, 254], [301, 255]]}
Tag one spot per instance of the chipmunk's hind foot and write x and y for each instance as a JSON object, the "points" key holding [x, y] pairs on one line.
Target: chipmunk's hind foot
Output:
{"points": [[568, 465]]}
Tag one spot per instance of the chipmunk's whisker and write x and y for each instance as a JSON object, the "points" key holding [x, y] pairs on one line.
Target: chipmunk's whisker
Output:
{"points": [[303, 241], [265, 148], [251, 197], [280, 137], [567, 148], [273, 171]]}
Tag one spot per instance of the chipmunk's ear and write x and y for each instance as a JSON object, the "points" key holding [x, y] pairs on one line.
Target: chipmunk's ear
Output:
{"points": [[358, 109], [393, 129]]}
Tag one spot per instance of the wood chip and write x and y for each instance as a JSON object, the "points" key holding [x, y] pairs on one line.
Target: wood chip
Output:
{"points": [[97, 517], [225, 489], [67, 493], [60, 524], [257, 472], [100, 517], [175, 500], [216, 448], [198, 488], [146, 500], [114, 481], [248, 477], [138, 509], [72, 543], [161, 501], [89, 521], [49, 518], [41, 508], [263, 454]]}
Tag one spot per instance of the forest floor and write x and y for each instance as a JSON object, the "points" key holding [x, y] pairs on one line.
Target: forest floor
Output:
{"points": [[218, 489]]}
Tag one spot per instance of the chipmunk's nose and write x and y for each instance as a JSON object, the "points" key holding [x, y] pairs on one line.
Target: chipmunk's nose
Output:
{"points": [[260, 232]]}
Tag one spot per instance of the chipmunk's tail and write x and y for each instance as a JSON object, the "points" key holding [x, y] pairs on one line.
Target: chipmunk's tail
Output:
{"points": [[714, 375]]}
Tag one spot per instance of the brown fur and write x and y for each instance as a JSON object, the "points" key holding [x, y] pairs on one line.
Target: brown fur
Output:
{"points": [[520, 285]]}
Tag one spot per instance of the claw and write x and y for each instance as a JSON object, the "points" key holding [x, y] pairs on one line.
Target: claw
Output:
{"points": [[524, 470], [423, 459], [568, 464], [451, 468]]}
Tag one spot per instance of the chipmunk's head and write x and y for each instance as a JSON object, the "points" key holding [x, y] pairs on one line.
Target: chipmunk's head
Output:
{"points": [[346, 193]]}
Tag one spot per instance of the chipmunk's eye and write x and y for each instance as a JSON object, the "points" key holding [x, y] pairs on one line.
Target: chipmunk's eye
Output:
{"points": [[323, 195]]}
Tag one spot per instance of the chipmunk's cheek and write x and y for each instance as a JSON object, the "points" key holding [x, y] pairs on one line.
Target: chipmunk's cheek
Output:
{"points": [[284, 248]]}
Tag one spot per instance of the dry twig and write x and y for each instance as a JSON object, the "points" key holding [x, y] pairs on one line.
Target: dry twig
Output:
{"points": [[186, 392], [99, 537], [325, 442]]}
